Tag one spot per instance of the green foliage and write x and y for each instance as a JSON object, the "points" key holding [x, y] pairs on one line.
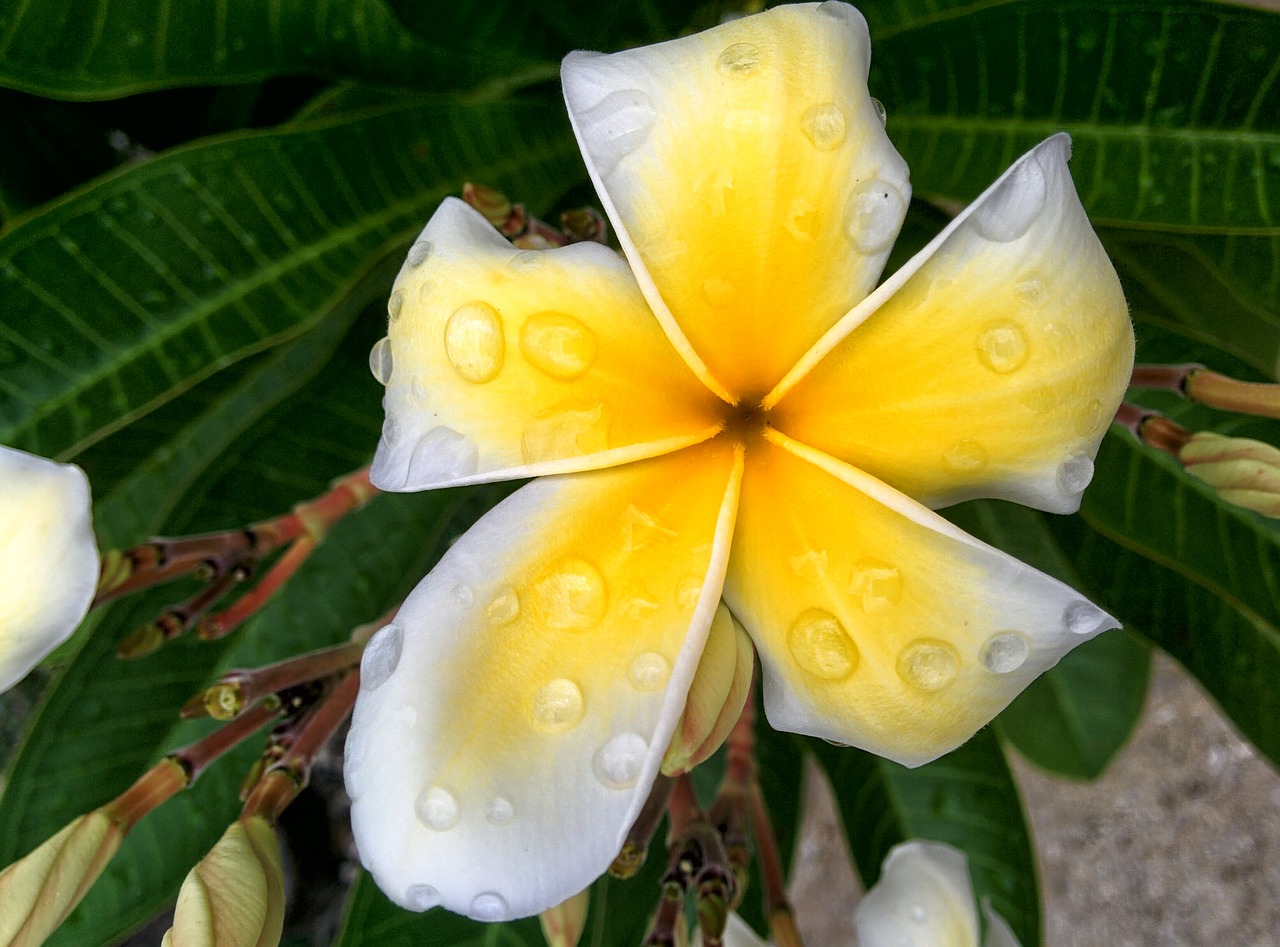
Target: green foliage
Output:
{"points": [[192, 328]]}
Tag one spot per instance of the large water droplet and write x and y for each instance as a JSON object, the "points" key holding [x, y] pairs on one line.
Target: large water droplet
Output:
{"points": [[475, 343], [569, 429], [649, 671], [557, 706], [505, 607], [1083, 618], [965, 457], [500, 811], [380, 363], [1002, 347], [558, 344], [617, 764], [571, 597], [740, 61], [618, 125], [381, 656], [436, 808], [488, 906], [810, 564], [1005, 652], [443, 454], [422, 898], [875, 584], [824, 125], [873, 216], [1009, 212], [1074, 474], [928, 664], [418, 253], [821, 646]]}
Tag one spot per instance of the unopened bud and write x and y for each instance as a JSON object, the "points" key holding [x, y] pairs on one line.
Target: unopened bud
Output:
{"points": [[1228, 394], [563, 924], [716, 696], [1245, 473], [235, 896], [39, 891]]}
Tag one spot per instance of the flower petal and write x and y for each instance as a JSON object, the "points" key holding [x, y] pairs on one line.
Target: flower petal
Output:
{"points": [[878, 623], [990, 365], [512, 721], [503, 363], [48, 558], [751, 182], [924, 898]]}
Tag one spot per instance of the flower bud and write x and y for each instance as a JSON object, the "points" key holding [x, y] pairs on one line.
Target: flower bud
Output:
{"points": [[235, 896], [563, 924], [39, 891], [48, 558], [1245, 473], [716, 696]]}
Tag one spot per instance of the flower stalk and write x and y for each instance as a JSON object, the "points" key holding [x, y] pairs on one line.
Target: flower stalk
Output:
{"points": [[237, 690], [1197, 383]]}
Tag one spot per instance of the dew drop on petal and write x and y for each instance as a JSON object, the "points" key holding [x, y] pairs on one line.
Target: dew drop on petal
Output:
{"points": [[488, 906], [719, 291], [436, 808], [617, 764], [1005, 652], [557, 706], [1089, 419], [569, 429], [873, 216], [418, 390], [739, 61], [395, 305], [572, 596], [504, 608], [928, 664], [918, 913], [355, 775], [810, 564], [875, 584], [825, 126], [649, 671], [688, 588], [500, 811], [1083, 618], [443, 454], [380, 364], [802, 220], [558, 344], [1075, 473], [618, 125], [422, 898], [464, 595], [1009, 213], [821, 646], [381, 655], [1032, 290], [881, 114], [474, 342], [1002, 347], [418, 253], [965, 457]]}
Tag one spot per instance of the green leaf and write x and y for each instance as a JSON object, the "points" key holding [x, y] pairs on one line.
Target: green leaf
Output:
{"points": [[130, 291], [967, 799]]}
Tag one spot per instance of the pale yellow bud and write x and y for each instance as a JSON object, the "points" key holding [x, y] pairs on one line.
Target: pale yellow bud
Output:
{"points": [[563, 924], [716, 697], [39, 891], [235, 896], [1245, 473]]}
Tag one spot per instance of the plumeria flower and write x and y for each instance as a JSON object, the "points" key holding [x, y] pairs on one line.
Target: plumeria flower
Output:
{"points": [[48, 558], [732, 410]]}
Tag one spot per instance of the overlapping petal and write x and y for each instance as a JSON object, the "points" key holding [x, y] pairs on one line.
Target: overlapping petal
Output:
{"points": [[878, 623], [512, 720], [751, 181], [48, 558], [502, 363], [990, 365]]}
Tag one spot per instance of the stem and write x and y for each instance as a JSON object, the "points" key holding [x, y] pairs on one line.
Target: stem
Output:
{"points": [[777, 905], [1163, 377], [224, 622], [319, 724], [155, 786], [272, 795], [636, 847], [197, 756], [238, 689]]}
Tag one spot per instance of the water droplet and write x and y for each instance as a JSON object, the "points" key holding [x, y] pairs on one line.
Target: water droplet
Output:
{"points": [[527, 260], [1032, 290], [568, 429], [422, 898], [488, 906], [875, 584], [418, 390], [802, 220], [505, 608], [718, 290], [1083, 618], [639, 529], [558, 344], [687, 590], [810, 564], [874, 214], [571, 597], [1090, 419], [381, 655], [443, 454], [821, 646], [464, 595], [380, 363], [617, 764], [395, 304], [740, 61], [418, 253], [638, 608], [825, 126], [649, 671], [918, 914], [965, 457], [557, 706], [750, 121], [881, 114], [1075, 473], [713, 187], [500, 811], [436, 808], [836, 9], [1005, 652], [1009, 212], [1002, 347], [928, 664], [475, 343], [619, 124]]}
